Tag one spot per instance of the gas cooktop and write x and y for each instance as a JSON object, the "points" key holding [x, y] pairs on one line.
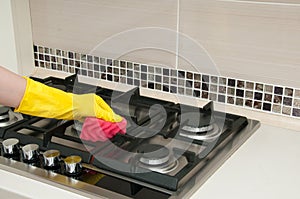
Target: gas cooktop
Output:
{"points": [[169, 149]]}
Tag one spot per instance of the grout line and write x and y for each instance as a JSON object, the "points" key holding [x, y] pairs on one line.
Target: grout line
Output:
{"points": [[177, 34]]}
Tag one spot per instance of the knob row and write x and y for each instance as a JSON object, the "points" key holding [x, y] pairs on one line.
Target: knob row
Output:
{"points": [[51, 158]]}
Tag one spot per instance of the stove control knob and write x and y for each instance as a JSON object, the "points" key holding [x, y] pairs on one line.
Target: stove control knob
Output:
{"points": [[11, 147], [73, 165], [30, 153], [51, 159]]}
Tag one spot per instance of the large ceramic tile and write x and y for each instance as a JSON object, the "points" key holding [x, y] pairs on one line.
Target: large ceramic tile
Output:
{"points": [[106, 28], [255, 40]]}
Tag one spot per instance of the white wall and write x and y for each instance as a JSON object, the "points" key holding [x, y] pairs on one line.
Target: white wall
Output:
{"points": [[16, 51], [252, 40]]}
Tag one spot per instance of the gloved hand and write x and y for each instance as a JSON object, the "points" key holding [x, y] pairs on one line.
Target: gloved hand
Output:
{"points": [[95, 129], [44, 101]]}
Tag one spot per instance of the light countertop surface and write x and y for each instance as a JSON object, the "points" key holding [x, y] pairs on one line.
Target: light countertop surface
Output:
{"points": [[266, 166]]}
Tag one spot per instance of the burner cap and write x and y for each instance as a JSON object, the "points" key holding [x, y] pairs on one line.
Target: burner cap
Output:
{"points": [[154, 154], [4, 110]]}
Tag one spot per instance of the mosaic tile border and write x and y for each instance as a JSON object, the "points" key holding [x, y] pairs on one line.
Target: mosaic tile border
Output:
{"points": [[264, 97]]}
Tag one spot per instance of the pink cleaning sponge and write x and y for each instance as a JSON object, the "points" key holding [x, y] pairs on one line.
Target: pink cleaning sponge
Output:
{"points": [[95, 129]]}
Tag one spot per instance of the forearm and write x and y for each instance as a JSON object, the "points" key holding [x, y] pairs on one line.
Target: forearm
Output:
{"points": [[12, 88]]}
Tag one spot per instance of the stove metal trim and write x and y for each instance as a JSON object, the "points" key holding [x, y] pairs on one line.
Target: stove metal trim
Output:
{"points": [[193, 181]]}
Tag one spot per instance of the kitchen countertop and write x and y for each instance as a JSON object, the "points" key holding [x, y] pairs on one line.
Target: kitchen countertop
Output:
{"points": [[266, 166]]}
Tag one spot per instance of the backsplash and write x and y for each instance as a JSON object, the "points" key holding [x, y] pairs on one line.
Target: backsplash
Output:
{"points": [[252, 95]]}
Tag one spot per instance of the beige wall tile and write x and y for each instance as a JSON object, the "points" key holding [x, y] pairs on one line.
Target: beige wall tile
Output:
{"points": [[254, 41], [83, 25]]}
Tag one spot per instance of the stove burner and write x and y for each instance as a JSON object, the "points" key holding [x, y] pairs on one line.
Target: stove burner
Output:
{"points": [[154, 154], [212, 132], [157, 158], [4, 116], [7, 117], [198, 130]]}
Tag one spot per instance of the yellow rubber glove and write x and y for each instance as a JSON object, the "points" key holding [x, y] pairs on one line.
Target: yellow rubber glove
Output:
{"points": [[44, 101]]}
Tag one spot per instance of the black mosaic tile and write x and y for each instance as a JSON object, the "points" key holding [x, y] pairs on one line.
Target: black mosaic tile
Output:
{"points": [[173, 89], [129, 73], [221, 98], [205, 78], [205, 86], [96, 60], [84, 72], [296, 112], [249, 103], [189, 83], [41, 57], [90, 73], [157, 78], [166, 88], [151, 85], [144, 68], [265, 97], [189, 75], [231, 82], [136, 82], [196, 93], [109, 77], [240, 93], [287, 101], [278, 90], [71, 55], [130, 81], [144, 76], [197, 85], [258, 96], [109, 62], [267, 106], [181, 74], [102, 68]]}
